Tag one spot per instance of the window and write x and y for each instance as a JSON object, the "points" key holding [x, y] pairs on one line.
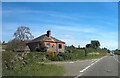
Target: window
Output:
{"points": [[60, 46], [48, 44], [53, 46]]}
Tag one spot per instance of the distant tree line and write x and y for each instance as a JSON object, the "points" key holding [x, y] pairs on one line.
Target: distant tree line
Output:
{"points": [[94, 44]]}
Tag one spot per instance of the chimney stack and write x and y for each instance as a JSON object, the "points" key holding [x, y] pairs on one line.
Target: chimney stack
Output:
{"points": [[49, 33]]}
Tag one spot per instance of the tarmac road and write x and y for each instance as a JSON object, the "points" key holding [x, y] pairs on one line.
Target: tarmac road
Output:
{"points": [[105, 66]]}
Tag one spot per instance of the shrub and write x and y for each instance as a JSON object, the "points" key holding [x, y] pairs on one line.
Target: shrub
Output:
{"points": [[41, 48], [15, 44], [52, 54], [54, 58], [60, 58], [16, 60], [63, 56], [117, 52], [13, 61]]}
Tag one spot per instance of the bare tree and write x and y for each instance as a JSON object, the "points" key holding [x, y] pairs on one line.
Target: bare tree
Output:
{"points": [[23, 33]]}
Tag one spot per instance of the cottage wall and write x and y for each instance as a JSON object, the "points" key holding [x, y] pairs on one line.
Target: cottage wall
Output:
{"points": [[60, 49], [52, 46], [55, 47]]}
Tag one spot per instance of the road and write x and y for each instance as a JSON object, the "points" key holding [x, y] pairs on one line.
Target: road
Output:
{"points": [[105, 66]]}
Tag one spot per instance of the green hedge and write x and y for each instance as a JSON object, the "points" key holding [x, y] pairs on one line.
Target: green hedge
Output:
{"points": [[117, 52], [77, 54]]}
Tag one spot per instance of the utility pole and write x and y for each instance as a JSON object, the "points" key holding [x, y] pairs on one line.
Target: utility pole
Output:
{"points": [[86, 52]]}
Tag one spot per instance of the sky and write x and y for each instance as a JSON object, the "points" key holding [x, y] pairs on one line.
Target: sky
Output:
{"points": [[76, 23]]}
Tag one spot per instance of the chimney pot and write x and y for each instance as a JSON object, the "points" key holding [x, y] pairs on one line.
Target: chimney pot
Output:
{"points": [[49, 33]]}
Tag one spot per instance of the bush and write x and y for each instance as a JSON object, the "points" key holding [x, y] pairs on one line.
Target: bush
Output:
{"points": [[57, 57], [63, 56], [13, 61], [52, 56], [41, 48], [60, 58], [15, 44], [117, 52], [37, 57], [16, 60]]}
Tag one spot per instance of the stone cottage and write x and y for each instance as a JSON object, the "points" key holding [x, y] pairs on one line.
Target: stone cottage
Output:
{"points": [[50, 42]]}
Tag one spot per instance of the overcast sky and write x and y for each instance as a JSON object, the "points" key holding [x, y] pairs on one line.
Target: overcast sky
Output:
{"points": [[74, 23]]}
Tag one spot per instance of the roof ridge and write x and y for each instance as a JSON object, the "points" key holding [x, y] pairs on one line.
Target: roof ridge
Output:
{"points": [[44, 37]]}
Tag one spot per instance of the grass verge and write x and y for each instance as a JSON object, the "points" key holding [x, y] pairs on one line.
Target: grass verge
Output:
{"points": [[22, 64], [36, 70]]}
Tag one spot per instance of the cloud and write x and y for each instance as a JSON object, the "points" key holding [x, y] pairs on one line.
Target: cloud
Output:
{"points": [[86, 32], [111, 44], [78, 27], [75, 29], [54, 14], [72, 35], [49, 16], [107, 38], [69, 36], [22, 11], [75, 42]]}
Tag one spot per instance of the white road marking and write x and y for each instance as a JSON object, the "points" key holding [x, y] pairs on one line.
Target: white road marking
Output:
{"points": [[89, 67], [93, 61], [116, 59]]}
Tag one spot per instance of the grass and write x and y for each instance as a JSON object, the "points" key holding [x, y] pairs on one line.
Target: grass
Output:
{"points": [[36, 70]]}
